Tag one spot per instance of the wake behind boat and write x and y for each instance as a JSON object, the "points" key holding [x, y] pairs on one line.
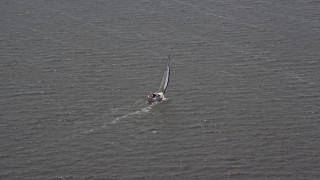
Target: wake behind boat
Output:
{"points": [[159, 95]]}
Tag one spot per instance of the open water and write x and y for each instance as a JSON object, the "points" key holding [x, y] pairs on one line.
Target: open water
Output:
{"points": [[242, 103]]}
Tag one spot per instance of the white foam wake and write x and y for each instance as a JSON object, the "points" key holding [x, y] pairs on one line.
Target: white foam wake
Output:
{"points": [[143, 110]]}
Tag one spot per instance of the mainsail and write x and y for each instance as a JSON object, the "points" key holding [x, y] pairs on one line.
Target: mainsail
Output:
{"points": [[165, 78]]}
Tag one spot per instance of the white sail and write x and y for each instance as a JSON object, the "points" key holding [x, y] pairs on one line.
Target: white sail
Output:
{"points": [[165, 78]]}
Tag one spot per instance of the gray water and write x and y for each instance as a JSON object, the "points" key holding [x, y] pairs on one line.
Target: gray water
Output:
{"points": [[242, 103]]}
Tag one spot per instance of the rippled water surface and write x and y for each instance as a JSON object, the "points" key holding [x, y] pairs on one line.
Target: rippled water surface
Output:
{"points": [[243, 100]]}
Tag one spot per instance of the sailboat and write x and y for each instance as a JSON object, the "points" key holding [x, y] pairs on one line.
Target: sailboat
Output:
{"points": [[159, 95]]}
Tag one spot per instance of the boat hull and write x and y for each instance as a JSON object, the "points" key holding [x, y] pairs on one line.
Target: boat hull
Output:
{"points": [[156, 96]]}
